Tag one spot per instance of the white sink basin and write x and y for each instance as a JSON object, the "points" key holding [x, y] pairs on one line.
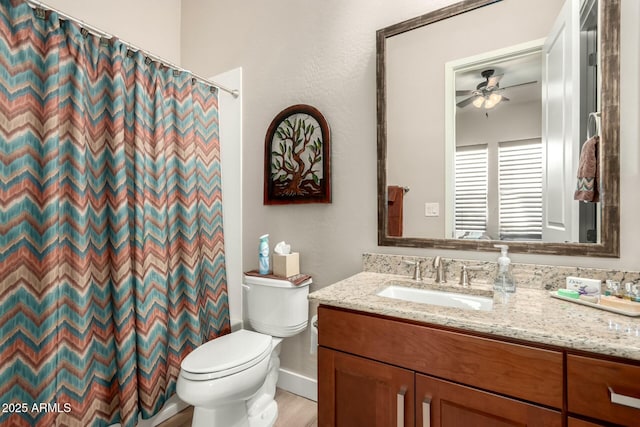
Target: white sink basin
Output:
{"points": [[441, 298]]}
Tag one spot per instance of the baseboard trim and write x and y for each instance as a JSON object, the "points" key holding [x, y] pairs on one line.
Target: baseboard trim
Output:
{"points": [[298, 384]]}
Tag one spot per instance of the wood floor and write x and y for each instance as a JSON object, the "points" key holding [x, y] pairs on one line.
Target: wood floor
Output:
{"points": [[293, 411]]}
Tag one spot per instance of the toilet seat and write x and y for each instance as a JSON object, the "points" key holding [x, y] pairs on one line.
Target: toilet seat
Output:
{"points": [[226, 355]]}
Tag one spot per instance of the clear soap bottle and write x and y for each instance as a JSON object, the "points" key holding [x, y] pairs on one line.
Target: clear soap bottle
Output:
{"points": [[503, 281], [263, 254]]}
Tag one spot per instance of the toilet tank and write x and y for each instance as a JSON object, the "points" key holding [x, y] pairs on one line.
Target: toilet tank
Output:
{"points": [[276, 307]]}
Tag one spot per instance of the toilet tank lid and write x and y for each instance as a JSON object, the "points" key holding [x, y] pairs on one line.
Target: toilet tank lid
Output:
{"points": [[275, 282], [228, 351]]}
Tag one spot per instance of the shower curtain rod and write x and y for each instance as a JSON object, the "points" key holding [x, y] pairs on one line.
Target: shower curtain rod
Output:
{"points": [[36, 4]]}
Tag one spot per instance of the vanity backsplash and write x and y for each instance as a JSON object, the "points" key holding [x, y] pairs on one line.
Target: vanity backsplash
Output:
{"points": [[534, 276]]}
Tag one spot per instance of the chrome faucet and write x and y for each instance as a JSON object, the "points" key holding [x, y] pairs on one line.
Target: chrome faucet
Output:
{"points": [[417, 274], [465, 282], [438, 265]]}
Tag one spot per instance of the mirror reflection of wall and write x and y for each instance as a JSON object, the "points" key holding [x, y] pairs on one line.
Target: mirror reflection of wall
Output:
{"points": [[498, 106], [417, 124]]}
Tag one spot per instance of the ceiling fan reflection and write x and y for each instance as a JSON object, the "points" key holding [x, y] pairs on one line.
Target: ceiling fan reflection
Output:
{"points": [[488, 93]]}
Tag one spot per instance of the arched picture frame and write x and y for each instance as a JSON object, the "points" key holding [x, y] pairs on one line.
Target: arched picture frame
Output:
{"points": [[297, 157]]}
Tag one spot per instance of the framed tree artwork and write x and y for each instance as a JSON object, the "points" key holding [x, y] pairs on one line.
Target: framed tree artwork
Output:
{"points": [[296, 157]]}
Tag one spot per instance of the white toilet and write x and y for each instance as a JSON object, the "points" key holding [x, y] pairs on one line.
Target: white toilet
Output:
{"points": [[231, 381]]}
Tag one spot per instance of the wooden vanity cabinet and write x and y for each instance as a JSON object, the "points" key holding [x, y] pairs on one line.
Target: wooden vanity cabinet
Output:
{"points": [[358, 392], [576, 422], [445, 404], [605, 390], [370, 367], [380, 371]]}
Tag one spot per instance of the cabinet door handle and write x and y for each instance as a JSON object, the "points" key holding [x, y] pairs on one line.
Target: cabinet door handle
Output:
{"points": [[400, 408], [426, 412], [625, 400]]}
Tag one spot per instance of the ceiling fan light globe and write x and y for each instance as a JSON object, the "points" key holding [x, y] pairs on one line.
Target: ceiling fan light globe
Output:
{"points": [[495, 98], [478, 102], [489, 104]]}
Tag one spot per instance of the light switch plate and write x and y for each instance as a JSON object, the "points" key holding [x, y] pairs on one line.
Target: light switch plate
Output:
{"points": [[432, 209]]}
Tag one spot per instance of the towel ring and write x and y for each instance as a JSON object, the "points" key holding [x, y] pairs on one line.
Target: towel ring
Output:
{"points": [[595, 118]]}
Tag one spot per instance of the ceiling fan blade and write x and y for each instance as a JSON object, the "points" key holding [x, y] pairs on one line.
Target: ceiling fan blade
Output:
{"points": [[466, 102], [492, 82], [520, 84], [464, 92], [504, 98]]}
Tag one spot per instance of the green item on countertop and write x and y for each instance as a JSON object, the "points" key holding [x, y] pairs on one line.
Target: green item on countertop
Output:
{"points": [[569, 293]]}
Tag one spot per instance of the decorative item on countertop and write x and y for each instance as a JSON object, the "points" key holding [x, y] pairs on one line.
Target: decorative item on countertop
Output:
{"points": [[628, 292], [605, 302], [297, 280], [620, 304], [297, 166], [635, 290], [263, 254], [285, 262], [590, 298], [590, 287], [504, 280], [615, 298], [612, 288], [569, 293], [631, 292]]}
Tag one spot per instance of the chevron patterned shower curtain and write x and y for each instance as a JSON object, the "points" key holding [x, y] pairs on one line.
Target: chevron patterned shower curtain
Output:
{"points": [[111, 245]]}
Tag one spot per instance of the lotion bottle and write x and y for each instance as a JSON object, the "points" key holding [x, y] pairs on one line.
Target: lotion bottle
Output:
{"points": [[263, 254], [503, 281]]}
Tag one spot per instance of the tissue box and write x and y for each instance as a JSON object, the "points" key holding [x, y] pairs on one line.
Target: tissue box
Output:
{"points": [[286, 265]]}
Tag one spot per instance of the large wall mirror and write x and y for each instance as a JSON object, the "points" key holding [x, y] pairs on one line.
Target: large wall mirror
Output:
{"points": [[488, 111]]}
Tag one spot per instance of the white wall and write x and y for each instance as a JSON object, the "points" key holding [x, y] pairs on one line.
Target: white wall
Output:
{"points": [[152, 25], [504, 123], [323, 54], [230, 121]]}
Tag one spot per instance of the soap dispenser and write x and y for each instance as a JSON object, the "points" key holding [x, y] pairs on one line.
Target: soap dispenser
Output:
{"points": [[263, 254], [504, 280]]}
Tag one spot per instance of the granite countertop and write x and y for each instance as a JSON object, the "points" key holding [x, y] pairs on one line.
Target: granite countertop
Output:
{"points": [[529, 314]]}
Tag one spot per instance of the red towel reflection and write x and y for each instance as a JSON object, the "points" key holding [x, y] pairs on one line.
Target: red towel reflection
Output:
{"points": [[395, 203]]}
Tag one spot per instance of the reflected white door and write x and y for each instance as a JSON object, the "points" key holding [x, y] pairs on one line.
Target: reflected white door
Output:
{"points": [[560, 121]]}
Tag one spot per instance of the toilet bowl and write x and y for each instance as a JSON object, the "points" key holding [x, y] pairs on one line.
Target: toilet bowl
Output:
{"points": [[231, 380]]}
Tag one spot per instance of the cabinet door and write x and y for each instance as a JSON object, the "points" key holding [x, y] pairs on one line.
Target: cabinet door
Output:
{"points": [[445, 404], [604, 390], [358, 392], [575, 422]]}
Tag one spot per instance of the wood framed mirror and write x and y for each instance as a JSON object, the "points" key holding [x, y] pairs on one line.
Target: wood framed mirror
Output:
{"points": [[426, 68]]}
